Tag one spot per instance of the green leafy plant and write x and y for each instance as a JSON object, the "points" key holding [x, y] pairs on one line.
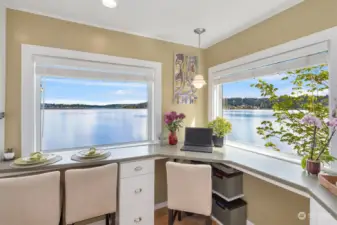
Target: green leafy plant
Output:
{"points": [[306, 97], [9, 150], [220, 127]]}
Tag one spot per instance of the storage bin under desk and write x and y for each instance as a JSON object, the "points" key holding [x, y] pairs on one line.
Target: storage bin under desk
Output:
{"points": [[227, 182], [229, 213]]}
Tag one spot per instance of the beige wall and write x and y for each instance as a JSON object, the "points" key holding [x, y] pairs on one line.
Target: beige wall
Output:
{"points": [[269, 204], [25, 28], [306, 18]]}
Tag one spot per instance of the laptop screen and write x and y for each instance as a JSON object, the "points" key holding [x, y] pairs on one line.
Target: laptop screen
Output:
{"points": [[198, 136]]}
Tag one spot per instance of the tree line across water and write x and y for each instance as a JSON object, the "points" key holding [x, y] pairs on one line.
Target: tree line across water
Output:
{"points": [[84, 106], [265, 103]]}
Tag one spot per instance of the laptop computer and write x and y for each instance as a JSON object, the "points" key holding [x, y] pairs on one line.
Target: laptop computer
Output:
{"points": [[198, 140]]}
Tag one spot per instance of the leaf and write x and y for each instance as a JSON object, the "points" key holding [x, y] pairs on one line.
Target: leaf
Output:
{"points": [[304, 161]]}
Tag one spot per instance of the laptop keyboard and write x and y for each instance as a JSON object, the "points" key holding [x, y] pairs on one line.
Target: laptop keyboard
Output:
{"points": [[197, 148]]}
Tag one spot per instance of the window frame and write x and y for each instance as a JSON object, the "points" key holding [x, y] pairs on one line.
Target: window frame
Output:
{"points": [[2, 74], [304, 46], [30, 90]]}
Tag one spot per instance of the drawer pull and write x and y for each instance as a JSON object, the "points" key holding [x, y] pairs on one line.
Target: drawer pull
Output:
{"points": [[137, 191], [138, 220], [138, 168]]}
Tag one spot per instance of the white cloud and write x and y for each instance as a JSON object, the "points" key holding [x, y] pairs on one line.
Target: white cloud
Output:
{"points": [[122, 92]]}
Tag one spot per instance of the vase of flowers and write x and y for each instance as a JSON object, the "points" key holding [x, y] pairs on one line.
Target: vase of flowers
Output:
{"points": [[318, 152], [173, 122]]}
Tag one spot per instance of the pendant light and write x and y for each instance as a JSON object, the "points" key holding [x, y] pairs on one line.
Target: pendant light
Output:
{"points": [[198, 81], [110, 3]]}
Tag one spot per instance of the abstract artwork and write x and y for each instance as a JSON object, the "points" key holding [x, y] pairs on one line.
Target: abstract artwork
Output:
{"points": [[185, 68]]}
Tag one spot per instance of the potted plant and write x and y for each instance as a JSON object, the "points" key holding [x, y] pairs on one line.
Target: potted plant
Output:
{"points": [[9, 154], [173, 122], [221, 127], [318, 150]]}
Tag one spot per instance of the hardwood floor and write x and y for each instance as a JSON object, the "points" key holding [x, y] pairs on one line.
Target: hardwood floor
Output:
{"points": [[161, 219]]}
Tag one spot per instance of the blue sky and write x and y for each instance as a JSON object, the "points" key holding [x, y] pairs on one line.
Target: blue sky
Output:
{"points": [[86, 91], [242, 88]]}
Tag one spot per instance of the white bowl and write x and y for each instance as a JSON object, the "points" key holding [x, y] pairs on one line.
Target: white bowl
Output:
{"points": [[9, 155]]}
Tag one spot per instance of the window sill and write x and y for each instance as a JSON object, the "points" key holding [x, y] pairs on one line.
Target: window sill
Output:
{"points": [[331, 169], [105, 147]]}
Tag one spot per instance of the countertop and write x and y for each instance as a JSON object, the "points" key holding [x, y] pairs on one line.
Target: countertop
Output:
{"points": [[280, 171]]}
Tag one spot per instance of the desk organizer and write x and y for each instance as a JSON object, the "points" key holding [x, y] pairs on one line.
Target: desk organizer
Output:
{"points": [[328, 182], [227, 182]]}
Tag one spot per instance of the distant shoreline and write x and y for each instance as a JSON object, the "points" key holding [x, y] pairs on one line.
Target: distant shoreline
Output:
{"points": [[84, 106]]}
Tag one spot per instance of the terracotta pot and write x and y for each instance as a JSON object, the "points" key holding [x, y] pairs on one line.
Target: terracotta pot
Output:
{"points": [[313, 167], [173, 140], [218, 141]]}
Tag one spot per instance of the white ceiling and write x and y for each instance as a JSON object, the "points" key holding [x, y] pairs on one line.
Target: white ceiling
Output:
{"points": [[169, 20]]}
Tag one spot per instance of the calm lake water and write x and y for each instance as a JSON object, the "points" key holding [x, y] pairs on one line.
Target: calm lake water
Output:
{"points": [[244, 124], [79, 128]]}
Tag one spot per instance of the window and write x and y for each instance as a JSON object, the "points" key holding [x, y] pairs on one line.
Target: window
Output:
{"points": [[253, 94], [82, 112], [74, 100], [250, 112]]}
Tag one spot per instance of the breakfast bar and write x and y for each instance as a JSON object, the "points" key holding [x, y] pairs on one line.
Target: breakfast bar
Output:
{"points": [[284, 174]]}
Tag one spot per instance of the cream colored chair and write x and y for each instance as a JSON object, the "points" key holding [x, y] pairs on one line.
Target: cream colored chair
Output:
{"points": [[189, 190], [30, 200], [90, 193]]}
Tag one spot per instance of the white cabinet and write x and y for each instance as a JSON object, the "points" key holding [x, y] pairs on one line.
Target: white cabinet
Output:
{"points": [[319, 216], [136, 193]]}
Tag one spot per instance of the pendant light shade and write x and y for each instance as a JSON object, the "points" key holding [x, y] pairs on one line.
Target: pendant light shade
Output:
{"points": [[110, 3], [198, 81]]}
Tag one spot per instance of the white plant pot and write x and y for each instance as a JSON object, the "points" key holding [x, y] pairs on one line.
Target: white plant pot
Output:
{"points": [[9, 155]]}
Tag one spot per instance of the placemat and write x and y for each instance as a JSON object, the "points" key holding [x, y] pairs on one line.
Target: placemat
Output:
{"points": [[79, 159], [52, 161]]}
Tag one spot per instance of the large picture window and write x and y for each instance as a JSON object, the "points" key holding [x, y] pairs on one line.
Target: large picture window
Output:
{"points": [[82, 112], [254, 105], [265, 96], [74, 100]]}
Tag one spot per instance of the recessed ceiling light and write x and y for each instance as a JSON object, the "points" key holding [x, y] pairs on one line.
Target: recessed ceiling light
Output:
{"points": [[110, 3]]}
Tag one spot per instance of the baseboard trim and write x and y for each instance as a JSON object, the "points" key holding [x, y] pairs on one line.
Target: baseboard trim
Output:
{"points": [[160, 205]]}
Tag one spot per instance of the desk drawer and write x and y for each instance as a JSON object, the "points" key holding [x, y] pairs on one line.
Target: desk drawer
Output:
{"points": [[136, 200], [136, 168]]}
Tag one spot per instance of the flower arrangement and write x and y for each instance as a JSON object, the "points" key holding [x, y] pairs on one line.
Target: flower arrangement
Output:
{"points": [[319, 148], [174, 121]]}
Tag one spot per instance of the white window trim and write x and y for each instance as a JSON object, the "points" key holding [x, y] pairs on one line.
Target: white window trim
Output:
{"points": [[2, 74], [329, 36], [29, 89]]}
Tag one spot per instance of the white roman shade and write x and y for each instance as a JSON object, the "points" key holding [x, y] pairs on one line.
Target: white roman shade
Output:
{"points": [[52, 66], [309, 56]]}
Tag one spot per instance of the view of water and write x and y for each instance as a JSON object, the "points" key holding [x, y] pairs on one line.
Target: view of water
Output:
{"points": [[244, 124], [77, 128]]}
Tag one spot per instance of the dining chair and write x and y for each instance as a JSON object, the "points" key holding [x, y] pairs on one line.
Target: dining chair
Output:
{"points": [[30, 200], [91, 193]]}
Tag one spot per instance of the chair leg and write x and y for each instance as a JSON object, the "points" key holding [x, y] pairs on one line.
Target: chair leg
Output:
{"points": [[208, 220], [113, 218], [179, 216], [107, 219], [170, 217]]}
